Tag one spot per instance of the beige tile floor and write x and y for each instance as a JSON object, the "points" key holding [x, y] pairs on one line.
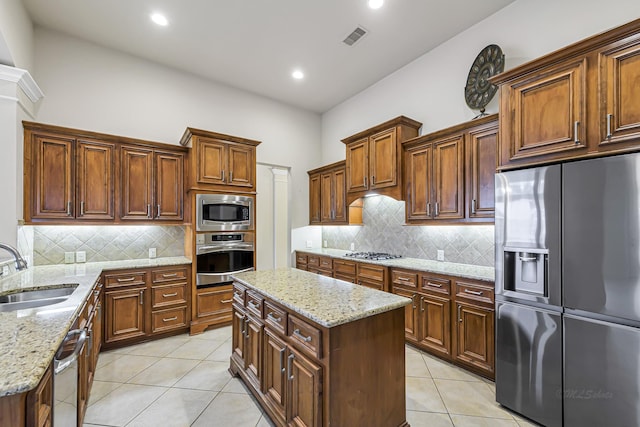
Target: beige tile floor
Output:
{"points": [[183, 381]]}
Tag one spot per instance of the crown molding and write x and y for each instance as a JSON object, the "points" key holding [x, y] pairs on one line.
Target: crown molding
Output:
{"points": [[24, 81]]}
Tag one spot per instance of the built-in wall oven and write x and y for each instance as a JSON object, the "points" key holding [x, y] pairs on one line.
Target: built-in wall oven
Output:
{"points": [[219, 255], [224, 212]]}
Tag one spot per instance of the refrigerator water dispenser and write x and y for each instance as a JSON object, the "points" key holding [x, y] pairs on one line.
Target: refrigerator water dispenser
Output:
{"points": [[526, 270]]}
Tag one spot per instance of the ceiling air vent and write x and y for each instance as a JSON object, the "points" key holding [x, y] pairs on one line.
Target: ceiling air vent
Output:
{"points": [[355, 35]]}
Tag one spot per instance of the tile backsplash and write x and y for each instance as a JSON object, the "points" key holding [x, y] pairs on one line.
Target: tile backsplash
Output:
{"points": [[48, 244], [384, 231]]}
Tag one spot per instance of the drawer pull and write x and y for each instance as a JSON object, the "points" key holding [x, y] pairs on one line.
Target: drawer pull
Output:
{"points": [[170, 319], [96, 294], [254, 305], [435, 285], [237, 294], [166, 276], [297, 333], [226, 301], [404, 279], [128, 279], [478, 293], [274, 318], [170, 295]]}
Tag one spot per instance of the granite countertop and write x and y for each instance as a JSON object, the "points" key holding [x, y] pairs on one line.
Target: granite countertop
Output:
{"points": [[468, 271], [29, 338], [328, 302]]}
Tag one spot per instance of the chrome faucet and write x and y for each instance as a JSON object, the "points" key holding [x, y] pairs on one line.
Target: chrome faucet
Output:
{"points": [[21, 264]]}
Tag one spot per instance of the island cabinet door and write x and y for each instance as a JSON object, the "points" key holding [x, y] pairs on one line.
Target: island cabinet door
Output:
{"points": [[304, 391], [238, 338], [410, 314], [275, 374], [253, 350]]}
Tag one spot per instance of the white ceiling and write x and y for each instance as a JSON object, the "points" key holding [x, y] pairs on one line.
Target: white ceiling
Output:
{"points": [[255, 44]]}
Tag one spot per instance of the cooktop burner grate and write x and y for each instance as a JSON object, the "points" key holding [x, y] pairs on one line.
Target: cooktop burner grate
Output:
{"points": [[374, 256]]}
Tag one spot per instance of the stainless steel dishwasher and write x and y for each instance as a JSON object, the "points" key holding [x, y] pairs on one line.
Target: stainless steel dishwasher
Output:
{"points": [[65, 380]]}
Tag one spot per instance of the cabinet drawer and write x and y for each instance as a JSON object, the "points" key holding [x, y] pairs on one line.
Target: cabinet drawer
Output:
{"points": [[275, 317], [169, 274], [306, 336], [213, 301], [404, 278], [173, 318], [133, 278], [343, 267], [313, 261], [162, 296], [238, 293], [301, 258], [371, 272], [436, 285], [326, 263], [475, 293], [254, 303]]}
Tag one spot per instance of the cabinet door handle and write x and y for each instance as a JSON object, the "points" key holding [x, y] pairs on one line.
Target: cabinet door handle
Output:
{"points": [[128, 279], [413, 301], [373, 180], [290, 367], [169, 319], [459, 314], [304, 338], [576, 137], [68, 208], [428, 209], [473, 206], [82, 208], [246, 327], [226, 301], [230, 176], [158, 211], [148, 210], [609, 117], [437, 211], [365, 182], [222, 176], [170, 295], [421, 305], [274, 318], [142, 297], [478, 293], [282, 360]]}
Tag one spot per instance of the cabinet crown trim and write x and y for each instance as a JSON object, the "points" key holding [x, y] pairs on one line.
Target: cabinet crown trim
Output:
{"points": [[400, 120], [328, 167], [189, 132], [461, 127], [579, 48]]}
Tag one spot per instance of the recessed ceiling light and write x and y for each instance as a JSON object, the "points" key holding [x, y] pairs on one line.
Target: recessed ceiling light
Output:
{"points": [[159, 19], [375, 4], [297, 74]]}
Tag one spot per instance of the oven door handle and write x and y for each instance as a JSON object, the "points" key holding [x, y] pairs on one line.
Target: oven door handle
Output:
{"points": [[227, 273], [210, 249]]}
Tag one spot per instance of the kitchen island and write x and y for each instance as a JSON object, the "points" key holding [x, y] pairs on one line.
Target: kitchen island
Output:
{"points": [[317, 351]]}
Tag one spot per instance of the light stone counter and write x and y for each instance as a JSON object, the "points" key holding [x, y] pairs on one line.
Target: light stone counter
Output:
{"points": [[468, 271], [29, 338], [329, 302]]}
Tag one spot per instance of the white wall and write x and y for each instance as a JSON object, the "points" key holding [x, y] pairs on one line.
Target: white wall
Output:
{"points": [[95, 88], [430, 89], [16, 35]]}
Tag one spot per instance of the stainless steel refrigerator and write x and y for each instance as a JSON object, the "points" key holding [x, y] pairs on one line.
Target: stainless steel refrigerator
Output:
{"points": [[568, 292]]}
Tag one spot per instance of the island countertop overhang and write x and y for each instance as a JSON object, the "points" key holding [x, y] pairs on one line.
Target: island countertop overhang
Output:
{"points": [[327, 301]]}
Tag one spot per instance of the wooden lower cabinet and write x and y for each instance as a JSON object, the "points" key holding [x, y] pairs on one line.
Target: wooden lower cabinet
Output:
{"points": [[40, 402], [303, 373], [211, 306], [434, 324], [144, 304]]}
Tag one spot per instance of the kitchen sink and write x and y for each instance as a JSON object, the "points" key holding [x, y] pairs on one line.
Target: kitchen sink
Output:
{"points": [[32, 299]]}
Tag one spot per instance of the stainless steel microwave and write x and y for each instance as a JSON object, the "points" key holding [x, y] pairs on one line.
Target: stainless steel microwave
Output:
{"points": [[224, 212]]}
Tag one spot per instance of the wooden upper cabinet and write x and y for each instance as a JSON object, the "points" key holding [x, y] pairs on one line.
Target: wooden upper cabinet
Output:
{"points": [[577, 102], [169, 185], [53, 179], [76, 175], [137, 183], [327, 197], [374, 158], [315, 199], [482, 162], [358, 160], [448, 180], [95, 180], [449, 174], [220, 162], [620, 80]]}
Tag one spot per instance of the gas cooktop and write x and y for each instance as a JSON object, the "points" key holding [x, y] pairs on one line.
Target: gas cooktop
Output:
{"points": [[374, 256]]}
